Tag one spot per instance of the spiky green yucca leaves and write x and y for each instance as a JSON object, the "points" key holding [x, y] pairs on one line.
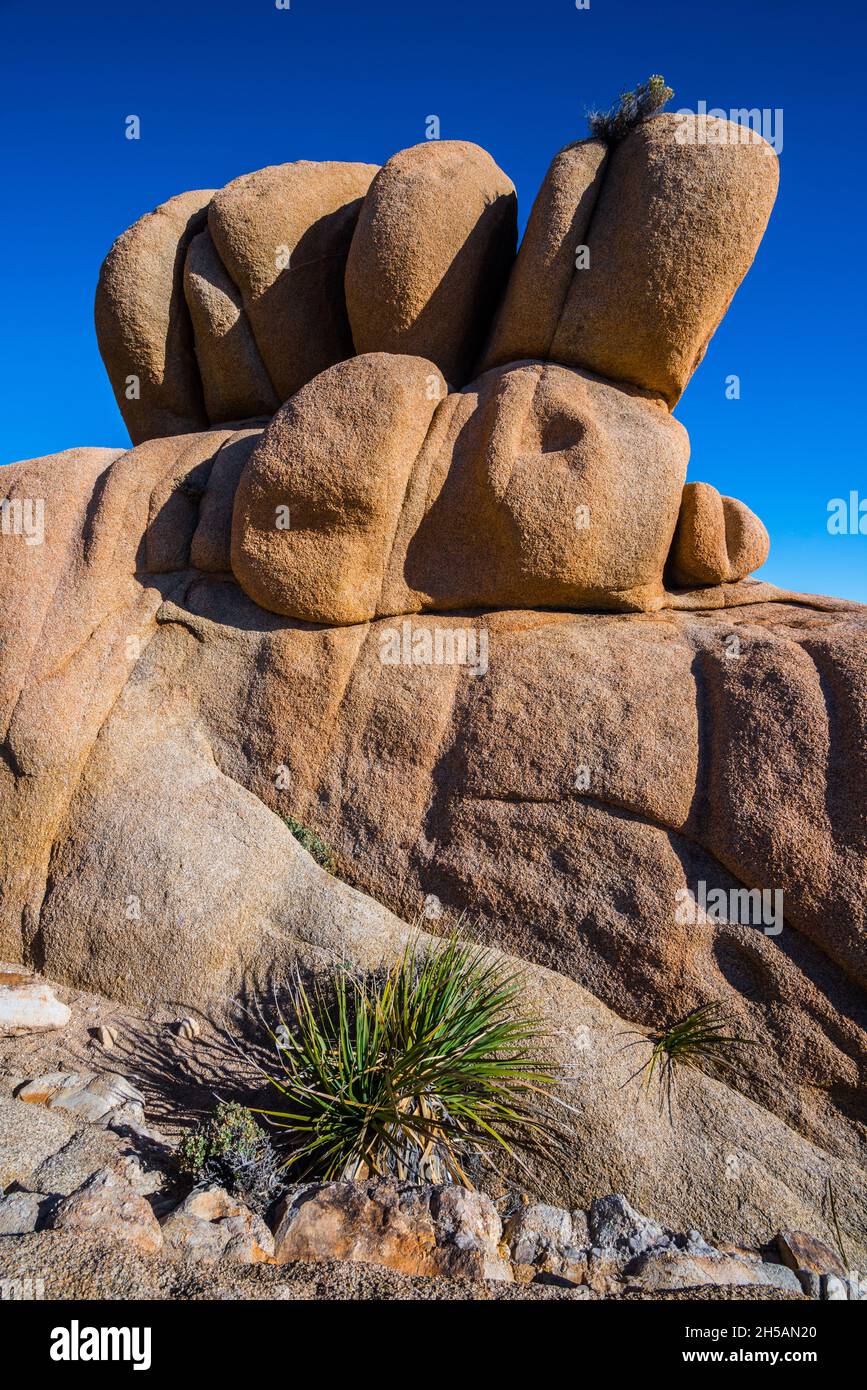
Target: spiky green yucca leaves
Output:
{"points": [[418, 1075], [702, 1040], [633, 107]]}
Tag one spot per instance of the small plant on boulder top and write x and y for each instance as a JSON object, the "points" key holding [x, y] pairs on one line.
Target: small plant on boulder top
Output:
{"points": [[633, 108], [424, 1074], [313, 843], [231, 1150]]}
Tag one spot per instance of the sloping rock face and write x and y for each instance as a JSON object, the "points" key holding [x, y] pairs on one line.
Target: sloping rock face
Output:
{"points": [[565, 796]]}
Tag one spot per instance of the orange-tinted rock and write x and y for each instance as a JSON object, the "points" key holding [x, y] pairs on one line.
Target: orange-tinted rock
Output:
{"points": [[142, 323], [718, 539], [536, 486], [429, 259], [283, 234]]}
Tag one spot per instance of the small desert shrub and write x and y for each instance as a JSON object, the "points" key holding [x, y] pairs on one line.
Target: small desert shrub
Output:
{"points": [[232, 1150], [424, 1073], [700, 1040], [313, 843], [632, 109]]}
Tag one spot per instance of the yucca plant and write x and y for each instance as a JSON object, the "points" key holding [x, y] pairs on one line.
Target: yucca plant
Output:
{"points": [[420, 1074], [701, 1040]]}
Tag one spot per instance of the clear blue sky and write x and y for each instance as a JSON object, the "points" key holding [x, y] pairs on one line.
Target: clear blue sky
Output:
{"points": [[225, 87]]}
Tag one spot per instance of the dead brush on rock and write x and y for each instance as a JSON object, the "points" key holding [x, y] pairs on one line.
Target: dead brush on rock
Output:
{"points": [[231, 1150], [424, 1074], [633, 108], [700, 1040]]}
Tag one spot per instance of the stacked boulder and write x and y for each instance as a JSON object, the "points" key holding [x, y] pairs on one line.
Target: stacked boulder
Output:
{"points": [[453, 426]]}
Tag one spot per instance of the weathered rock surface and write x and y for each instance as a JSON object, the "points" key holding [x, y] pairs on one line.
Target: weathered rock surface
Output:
{"points": [[28, 1004], [89, 1096], [210, 1225], [142, 324], [602, 766], [718, 539], [546, 263], [683, 205], [283, 234], [321, 497], [434, 244], [438, 1231], [799, 1250], [29, 1137], [108, 1205], [23, 1212], [662, 1269], [234, 380], [585, 787], [574, 484]]}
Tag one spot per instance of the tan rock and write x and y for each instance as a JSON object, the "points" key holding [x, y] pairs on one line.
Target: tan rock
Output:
{"points": [[718, 539], [683, 206], [537, 486], [283, 234], [28, 1004], [320, 500], [109, 1206], [210, 1225], [234, 380], [542, 274], [210, 548], [88, 1095], [415, 1230], [662, 1269], [429, 259], [29, 1136], [798, 1250], [142, 323], [427, 781]]}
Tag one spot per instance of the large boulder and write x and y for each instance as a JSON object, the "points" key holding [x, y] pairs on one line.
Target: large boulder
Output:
{"points": [[142, 323], [216, 307], [434, 244], [547, 257], [680, 207], [283, 234], [368, 495], [321, 497], [569, 800]]}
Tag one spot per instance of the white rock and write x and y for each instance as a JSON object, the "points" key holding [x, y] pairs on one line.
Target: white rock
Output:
{"points": [[28, 1004], [538, 1231], [89, 1095], [23, 1212]]}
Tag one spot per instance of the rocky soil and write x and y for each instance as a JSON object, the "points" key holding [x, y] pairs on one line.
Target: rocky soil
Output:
{"points": [[93, 1204]]}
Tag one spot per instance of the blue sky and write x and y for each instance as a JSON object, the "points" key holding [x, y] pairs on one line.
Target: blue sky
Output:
{"points": [[222, 88]]}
